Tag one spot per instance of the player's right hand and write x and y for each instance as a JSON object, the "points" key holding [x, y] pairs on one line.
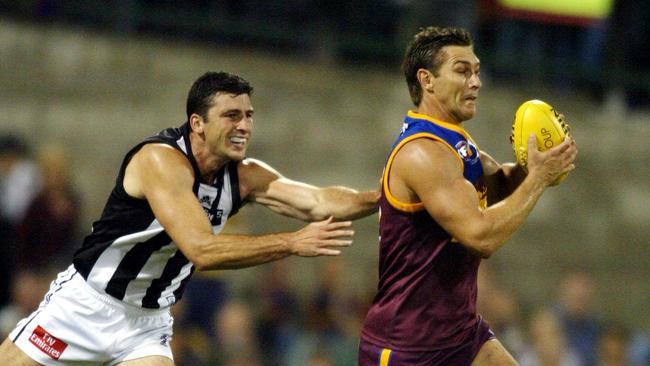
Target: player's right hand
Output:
{"points": [[321, 238], [552, 163]]}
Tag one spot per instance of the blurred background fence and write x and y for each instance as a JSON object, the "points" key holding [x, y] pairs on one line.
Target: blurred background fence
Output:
{"points": [[82, 81]]}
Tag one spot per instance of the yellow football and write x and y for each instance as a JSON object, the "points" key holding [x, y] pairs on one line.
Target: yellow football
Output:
{"points": [[539, 118]]}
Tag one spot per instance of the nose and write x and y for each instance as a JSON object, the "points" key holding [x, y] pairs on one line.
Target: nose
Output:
{"points": [[244, 124], [474, 81]]}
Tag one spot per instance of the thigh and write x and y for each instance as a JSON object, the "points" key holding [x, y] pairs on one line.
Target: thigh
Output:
{"points": [[148, 361], [493, 353], [11, 355]]}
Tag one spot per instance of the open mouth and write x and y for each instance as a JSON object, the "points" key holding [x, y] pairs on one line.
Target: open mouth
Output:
{"points": [[238, 141]]}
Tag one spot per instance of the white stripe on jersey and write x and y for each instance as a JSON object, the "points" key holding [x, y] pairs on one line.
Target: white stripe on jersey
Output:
{"points": [[107, 264]]}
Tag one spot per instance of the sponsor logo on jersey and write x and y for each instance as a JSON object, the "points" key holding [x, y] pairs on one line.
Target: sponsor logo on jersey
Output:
{"points": [[214, 216], [49, 344], [467, 151], [206, 199]]}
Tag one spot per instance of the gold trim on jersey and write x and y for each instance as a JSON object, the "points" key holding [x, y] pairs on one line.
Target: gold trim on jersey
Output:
{"points": [[447, 125], [384, 357], [410, 206]]}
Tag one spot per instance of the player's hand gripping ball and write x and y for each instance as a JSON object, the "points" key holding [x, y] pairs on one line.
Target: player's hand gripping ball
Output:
{"points": [[539, 118]]}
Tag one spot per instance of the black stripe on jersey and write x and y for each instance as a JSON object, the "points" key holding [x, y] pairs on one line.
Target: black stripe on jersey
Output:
{"points": [[132, 264], [121, 216], [234, 188], [179, 291], [172, 269]]}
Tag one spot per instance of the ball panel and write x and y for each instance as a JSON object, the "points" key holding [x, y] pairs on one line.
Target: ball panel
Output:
{"points": [[539, 118]]}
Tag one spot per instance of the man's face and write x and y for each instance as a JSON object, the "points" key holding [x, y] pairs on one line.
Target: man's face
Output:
{"points": [[456, 84], [229, 124]]}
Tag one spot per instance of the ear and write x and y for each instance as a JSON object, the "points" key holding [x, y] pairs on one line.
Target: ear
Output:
{"points": [[425, 77], [196, 123]]}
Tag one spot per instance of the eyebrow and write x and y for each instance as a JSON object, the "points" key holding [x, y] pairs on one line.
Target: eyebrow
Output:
{"points": [[468, 63], [235, 110]]}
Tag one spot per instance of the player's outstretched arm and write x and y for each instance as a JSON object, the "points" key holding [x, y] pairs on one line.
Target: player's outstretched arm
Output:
{"points": [[300, 200], [164, 177], [433, 173]]}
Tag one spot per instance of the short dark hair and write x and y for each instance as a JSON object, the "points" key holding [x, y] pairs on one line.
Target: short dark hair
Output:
{"points": [[199, 99], [423, 52]]}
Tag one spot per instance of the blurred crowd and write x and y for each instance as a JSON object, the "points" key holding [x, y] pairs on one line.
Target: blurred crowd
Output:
{"points": [[591, 46], [272, 322]]}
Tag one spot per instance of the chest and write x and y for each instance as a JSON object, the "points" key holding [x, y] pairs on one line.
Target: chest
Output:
{"points": [[217, 203]]}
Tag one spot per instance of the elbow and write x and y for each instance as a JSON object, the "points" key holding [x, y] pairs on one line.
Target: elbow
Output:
{"points": [[200, 266], [199, 259], [482, 248], [198, 262], [481, 240]]}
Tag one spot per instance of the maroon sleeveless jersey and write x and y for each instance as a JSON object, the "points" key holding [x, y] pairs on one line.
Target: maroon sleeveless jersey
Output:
{"points": [[426, 297]]}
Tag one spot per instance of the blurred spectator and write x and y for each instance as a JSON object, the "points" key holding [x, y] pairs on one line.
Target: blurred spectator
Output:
{"points": [[48, 232], [20, 180], [236, 341], [576, 315], [319, 359], [27, 293], [191, 345], [204, 296], [333, 319], [502, 311], [278, 318], [612, 348], [548, 346], [639, 349]]}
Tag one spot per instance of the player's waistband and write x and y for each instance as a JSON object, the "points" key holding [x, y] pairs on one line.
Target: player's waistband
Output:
{"points": [[77, 280]]}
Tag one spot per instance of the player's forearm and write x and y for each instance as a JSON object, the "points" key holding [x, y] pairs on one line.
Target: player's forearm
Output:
{"points": [[502, 219], [225, 251], [344, 203]]}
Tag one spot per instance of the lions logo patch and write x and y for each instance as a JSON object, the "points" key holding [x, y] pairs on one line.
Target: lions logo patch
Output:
{"points": [[467, 151]]}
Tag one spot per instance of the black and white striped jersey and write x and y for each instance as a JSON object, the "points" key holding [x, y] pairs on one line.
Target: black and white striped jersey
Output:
{"points": [[129, 255]]}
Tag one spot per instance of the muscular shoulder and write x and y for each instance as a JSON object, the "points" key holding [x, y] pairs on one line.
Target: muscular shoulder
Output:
{"points": [[155, 152], [160, 157], [255, 176], [154, 164], [424, 154], [420, 166]]}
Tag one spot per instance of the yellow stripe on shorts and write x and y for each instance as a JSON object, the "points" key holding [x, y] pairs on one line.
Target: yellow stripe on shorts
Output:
{"points": [[384, 357]]}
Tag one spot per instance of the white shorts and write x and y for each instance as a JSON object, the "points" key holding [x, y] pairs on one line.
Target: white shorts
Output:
{"points": [[76, 324]]}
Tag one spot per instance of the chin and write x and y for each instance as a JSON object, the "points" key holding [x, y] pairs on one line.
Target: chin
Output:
{"points": [[238, 156], [468, 115]]}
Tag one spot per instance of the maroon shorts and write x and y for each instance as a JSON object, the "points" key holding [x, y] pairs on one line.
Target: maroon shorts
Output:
{"points": [[461, 355]]}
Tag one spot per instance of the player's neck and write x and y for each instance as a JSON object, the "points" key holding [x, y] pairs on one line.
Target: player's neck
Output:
{"points": [[208, 163], [431, 108]]}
